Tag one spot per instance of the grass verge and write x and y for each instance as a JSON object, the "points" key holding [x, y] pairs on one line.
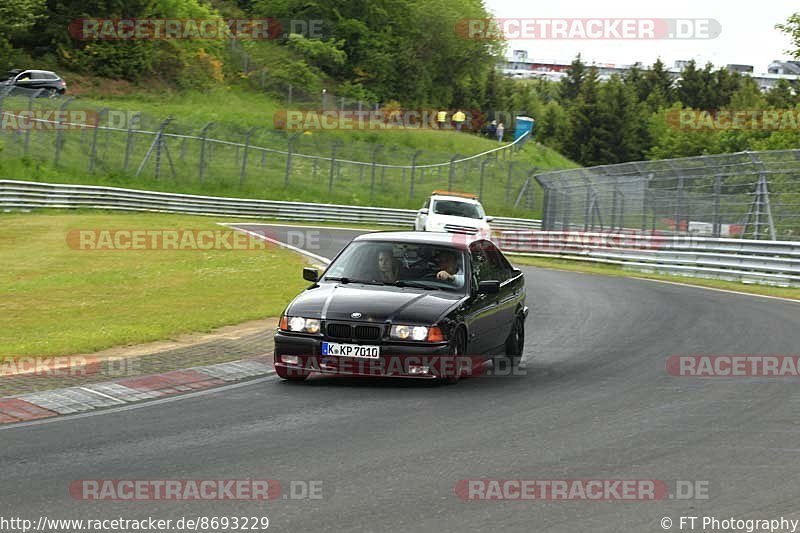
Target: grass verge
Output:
{"points": [[613, 270], [58, 300]]}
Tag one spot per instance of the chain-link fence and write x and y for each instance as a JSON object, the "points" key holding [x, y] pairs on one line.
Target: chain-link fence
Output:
{"points": [[89, 144], [748, 195]]}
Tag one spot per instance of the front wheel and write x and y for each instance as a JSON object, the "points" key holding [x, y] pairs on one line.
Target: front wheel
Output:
{"points": [[515, 343], [457, 348]]}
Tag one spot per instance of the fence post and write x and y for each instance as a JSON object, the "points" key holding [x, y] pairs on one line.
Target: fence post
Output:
{"points": [[129, 140], [244, 156], [452, 171], [289, 158], [717, 227], [30, 117], [60, 134], [324, 98], [511, 166], [93, 153], [335, 146], [413, 172], [160, 145], [375, 151], [289, 100], [484, 163], [203, 135]]}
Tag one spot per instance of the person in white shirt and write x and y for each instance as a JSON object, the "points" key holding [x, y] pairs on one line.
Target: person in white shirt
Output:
{"points": [[449, 268]]}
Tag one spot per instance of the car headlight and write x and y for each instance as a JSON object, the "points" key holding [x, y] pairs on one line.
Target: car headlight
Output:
{"points": [[416, 333], [298, 324]]}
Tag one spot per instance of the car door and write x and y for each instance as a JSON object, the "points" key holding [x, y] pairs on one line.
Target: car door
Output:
{"points": [[510, 290], [24, 79], [480, 315]]}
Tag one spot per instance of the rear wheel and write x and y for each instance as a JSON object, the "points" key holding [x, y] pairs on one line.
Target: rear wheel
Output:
{"points": [[515, 343], [52, 93]]}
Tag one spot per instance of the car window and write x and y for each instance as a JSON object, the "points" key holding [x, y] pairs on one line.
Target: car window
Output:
{"points": [[457, 209], [480, 264], [39, 76], [498, 264], [427, 204], [25, 76], [400, 263]]}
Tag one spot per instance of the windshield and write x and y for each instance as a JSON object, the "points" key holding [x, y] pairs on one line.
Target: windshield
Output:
{"points": [[401, 264], [457, 209]]}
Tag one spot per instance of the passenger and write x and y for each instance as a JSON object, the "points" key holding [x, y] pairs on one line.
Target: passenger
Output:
{"points": [[387, 269]]}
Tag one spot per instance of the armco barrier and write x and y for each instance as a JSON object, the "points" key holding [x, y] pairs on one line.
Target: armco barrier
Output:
{"points": [[749, 261], [22, 195]]}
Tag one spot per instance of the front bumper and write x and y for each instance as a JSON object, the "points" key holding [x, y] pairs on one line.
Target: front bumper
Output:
{"points": [[396, 359]]}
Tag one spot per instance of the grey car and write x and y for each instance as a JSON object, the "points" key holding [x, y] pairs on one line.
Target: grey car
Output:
{"points": [[51, 83]]}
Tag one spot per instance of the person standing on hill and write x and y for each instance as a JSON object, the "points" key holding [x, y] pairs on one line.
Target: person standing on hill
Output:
{"points": [[500, 130], [441, 119], [458, 118], [491, 129]]}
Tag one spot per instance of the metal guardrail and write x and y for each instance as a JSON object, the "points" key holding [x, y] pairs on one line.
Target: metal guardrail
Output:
{"points": [[748, 261], [23, 195]]}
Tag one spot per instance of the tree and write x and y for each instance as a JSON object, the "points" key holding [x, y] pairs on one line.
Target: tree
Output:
{"points": [[792, 28], [659, 79], [780, 96], [589, 139], [571, 84]]}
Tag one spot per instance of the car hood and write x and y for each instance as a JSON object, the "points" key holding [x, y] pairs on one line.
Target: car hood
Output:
{"points": [[334, 301], [460, 221]]}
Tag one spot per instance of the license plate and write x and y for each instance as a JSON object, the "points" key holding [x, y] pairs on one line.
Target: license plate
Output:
{"points": [[350, 350]]}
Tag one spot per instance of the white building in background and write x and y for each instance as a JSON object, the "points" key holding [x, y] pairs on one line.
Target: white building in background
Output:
{"points": [[520, 66]]}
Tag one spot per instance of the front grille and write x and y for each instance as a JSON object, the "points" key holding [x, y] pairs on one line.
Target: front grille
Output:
{"points": [[346, 331], [368, 332], [340, 331], [452, 228]]}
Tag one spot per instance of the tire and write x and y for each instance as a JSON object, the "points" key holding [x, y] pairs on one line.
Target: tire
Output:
{"points": [[290, 374], [457, 349], [52, 93], [515, 343]]}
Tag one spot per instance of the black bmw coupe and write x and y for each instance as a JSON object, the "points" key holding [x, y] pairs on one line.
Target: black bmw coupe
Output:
{"points": [[405, 304]]}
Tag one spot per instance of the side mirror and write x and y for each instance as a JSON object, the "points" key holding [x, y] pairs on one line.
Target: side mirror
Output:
{"points": [[489, 219], [310, 274], [423, 211], [488, 287]]}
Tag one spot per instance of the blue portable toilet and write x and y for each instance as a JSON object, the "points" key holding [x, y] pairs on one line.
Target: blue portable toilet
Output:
{"points": [[524, 125]]}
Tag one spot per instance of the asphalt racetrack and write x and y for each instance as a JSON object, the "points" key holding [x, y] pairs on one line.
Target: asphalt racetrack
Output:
{"points": [[595, 401]]}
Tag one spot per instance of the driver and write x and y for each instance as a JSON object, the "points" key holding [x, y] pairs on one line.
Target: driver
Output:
{"points": [[387, 270], [449, 268]]}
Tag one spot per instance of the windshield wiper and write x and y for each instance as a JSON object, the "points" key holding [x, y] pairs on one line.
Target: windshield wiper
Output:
{"points": [[344, 280], [413, 284]]}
